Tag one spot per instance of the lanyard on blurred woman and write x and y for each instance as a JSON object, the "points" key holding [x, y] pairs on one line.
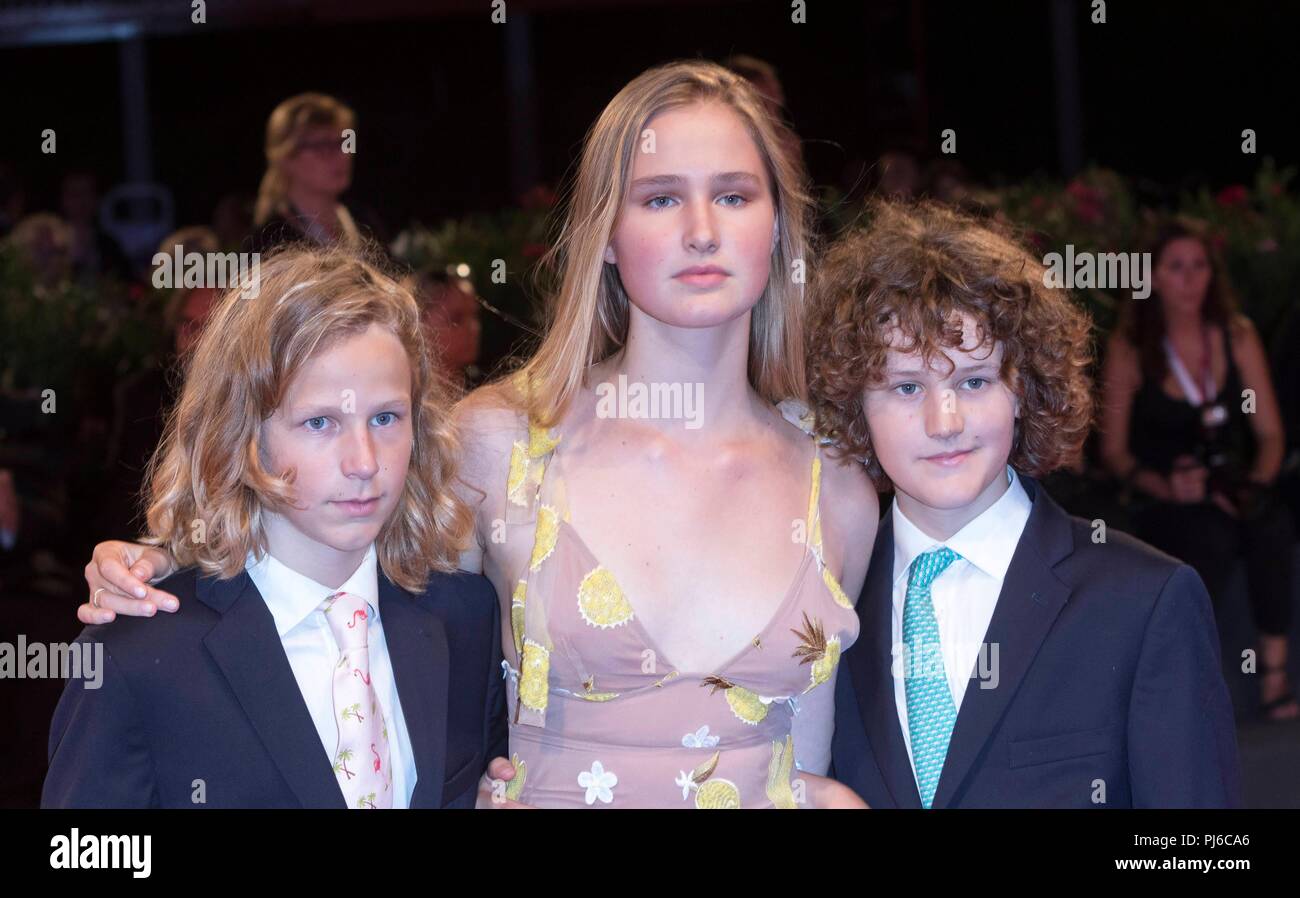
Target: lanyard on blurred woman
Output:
{"points": [[1200, 397]]}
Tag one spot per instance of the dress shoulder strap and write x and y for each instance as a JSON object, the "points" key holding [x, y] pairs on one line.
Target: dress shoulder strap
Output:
{"points": [[529, 456], [814, 530]]}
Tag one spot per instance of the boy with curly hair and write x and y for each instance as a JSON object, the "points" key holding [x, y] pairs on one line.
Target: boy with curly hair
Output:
{"points": [[1011, 655]]}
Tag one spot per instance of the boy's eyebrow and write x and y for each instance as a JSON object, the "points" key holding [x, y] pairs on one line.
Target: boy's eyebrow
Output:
{"points": [[327, 408], [726, 178], [960, 369]]}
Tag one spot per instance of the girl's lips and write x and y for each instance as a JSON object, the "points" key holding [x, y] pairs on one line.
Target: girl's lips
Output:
{"points": [[359, 509], [710, 279]]}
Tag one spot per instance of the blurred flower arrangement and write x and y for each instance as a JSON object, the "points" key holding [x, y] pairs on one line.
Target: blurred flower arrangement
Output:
{"points": [[501, 251], [51, 333]]}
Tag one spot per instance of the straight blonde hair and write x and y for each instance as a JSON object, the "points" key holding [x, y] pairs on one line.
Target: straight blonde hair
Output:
{"points": [[285, 129], [587, 317], [208, 483]]}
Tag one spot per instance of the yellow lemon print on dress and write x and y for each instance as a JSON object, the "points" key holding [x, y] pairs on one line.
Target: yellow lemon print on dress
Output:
{"points": [[717, 794], [517, 615], [548, 532], [540, 441], [518, 474], [534, 676], [837, 593], [515, 787], [710, 794], [746, 705], [601, 601]]}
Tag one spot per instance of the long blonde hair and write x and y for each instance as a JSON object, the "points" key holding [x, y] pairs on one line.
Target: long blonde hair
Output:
{"points": [[208, 482], [285, 129], [587, 318]]}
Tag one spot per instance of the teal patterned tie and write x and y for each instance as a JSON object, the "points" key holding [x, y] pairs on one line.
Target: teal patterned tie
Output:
{"points": [[931, 713]]}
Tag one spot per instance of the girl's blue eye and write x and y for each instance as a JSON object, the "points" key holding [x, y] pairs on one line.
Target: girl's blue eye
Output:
{"points": [[977, 380], [653, 201], [903, 389], [735, 196], [318, 420], [388, 415]]}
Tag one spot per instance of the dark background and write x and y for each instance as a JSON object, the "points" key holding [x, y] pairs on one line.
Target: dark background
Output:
{"points": [[1165, 89], [459, 115]]}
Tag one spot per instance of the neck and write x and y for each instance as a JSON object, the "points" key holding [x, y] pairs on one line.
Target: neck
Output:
{"points": [[314, 205], [710, 363], [1181, 323], [942, 524], [326, 565]]}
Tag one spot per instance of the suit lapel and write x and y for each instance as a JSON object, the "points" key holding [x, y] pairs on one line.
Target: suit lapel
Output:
{"points": [[872, 672], [418, 650], [1031, 599], [245, 645]]}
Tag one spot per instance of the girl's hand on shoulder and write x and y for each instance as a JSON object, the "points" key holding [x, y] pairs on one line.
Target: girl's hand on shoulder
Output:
{"points": [[120, 572]]}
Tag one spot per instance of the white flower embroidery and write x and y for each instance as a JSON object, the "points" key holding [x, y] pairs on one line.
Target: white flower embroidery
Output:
{"points": [[599, 783], [684, 780], [699, 739]]}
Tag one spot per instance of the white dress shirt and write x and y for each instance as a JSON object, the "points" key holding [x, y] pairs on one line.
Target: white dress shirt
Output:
{"points": [[964, 595], [294, 601]]}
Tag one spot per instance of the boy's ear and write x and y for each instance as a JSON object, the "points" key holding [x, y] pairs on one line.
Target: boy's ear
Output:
{"points": [[609, 255]]}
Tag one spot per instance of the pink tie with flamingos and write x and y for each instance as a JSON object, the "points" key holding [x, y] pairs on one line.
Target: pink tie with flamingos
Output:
{"points": [[361, 757]]}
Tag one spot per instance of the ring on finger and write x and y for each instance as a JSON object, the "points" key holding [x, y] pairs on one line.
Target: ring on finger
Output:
{"points": [[94, 599]]}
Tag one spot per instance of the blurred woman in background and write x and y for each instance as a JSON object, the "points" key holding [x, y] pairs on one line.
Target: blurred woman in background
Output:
{"points": [[1191, 422]]}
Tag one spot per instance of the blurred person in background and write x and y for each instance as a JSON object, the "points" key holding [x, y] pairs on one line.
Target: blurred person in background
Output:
{"points": [[451, 318], [94, 252], [1175, 428], [44, 243], [307, 170]]}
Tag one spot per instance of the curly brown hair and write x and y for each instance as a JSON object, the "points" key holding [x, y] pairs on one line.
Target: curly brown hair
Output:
{"points": [[914, 270]]}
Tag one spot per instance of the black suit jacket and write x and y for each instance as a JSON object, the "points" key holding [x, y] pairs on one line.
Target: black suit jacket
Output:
{"points": [[1109, 691], [207, 694]]}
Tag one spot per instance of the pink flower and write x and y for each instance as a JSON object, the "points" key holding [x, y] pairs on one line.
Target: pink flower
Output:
{"points": [[1087, 201], [1235, 195]]}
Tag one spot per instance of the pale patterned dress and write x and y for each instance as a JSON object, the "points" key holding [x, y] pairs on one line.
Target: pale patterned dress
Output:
{"points": [[599, 717]]}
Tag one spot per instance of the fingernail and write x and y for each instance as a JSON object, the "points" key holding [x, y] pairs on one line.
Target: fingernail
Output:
{"points": [[149, 610], [171, 604], [140, 592]]}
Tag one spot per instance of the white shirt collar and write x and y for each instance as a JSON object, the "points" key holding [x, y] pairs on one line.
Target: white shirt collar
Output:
{"points": [[292, 596], [988, 542]]}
